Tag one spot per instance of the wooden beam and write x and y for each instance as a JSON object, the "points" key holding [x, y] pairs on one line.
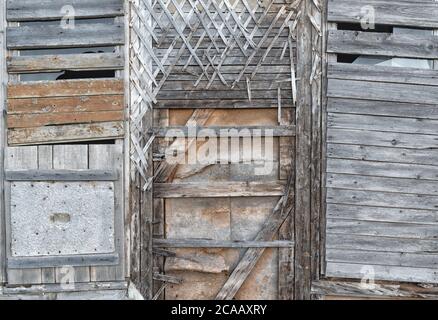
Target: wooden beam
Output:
{"points": [[227, 131], [62, 175], [377, 290], [218, 189], [303, 158], [207, 243]]}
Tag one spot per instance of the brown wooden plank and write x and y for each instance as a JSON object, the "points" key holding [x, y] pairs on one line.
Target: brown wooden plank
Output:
{"points": [[38, 120], [66, 88], [57, 63], [66, 133], [66, 104]]}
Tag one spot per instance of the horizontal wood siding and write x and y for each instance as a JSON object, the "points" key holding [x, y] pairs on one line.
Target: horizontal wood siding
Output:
{"points": [[46, 111], [382, 140], [29, 10]]}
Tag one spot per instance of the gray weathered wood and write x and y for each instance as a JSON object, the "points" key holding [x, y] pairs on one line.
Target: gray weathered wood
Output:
{"points": [[382, 44], [228, 131], [206, 243], [402, 13], [57, 63], [218, 189], [382, 91], [76, 260], [62, 175], [54, 36], [28, 10]]}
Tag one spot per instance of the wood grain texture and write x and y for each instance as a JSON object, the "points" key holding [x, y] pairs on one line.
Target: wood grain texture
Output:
{"points": [[28, 10], [54, 36], [382, 44], [402, 13]]}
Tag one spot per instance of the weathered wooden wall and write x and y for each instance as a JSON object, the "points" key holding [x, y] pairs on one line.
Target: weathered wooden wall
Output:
{"points": [[381, 141], [46, 116]]}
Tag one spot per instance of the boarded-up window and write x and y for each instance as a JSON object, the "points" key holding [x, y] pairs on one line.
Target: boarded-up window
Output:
{"points": [[382, 199], [65, 61]]}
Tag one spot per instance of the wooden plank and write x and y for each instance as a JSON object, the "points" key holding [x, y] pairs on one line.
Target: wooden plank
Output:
{"points": [[383, 108], [40, 120], [66, 133], [382, 91], [382, 229], [54, 36], [218, 189], [28, 10], [382, 44], [220, 94], [76, 260], [382, 169], [58, 63], [3, 83], [218, 104], [381, 244], [402, 13], [382, 199], [65, 104], [387, 139], [369, 213], [57, 288], [382, 74], [383, 154], [383, 258], [226, 131], [65, 88], [382, 123], [378, 290], [358, 182], [303, 211], [207, 243], [391, 273], [62, 175]]}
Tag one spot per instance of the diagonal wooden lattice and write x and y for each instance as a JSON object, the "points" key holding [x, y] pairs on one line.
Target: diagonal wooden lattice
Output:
{"points": [[196, 37]]}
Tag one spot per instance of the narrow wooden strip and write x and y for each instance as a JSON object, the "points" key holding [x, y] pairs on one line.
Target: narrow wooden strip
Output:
{"points": [[62, 175], [77, 260], [383, 139], [382, 123], [382, 199], [357, 289], [65, 104], [225, 131], [66, 133], [65, 88], [383, 108], [57, 63], [218, 104], [382, 169], [385, 244], [54, 288], [382, 74], [382, 154], [29, 10], [382, 91], [391, 273], [399, 259], [358, 182], [369, 213], [382, 44], [403, 13], [166, 278], [206, 243], [54, 36], [382, 229], [218, 189]]}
